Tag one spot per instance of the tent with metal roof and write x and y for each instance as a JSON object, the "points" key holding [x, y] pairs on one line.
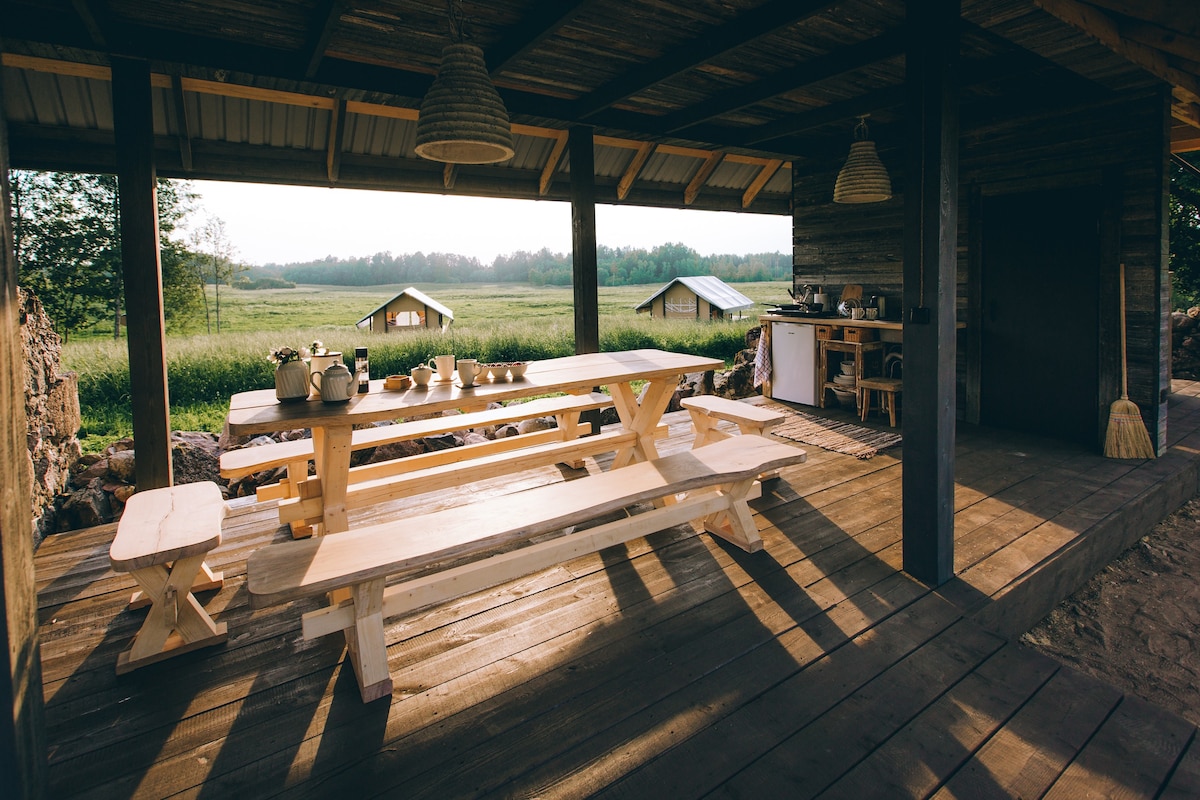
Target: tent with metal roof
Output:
{"points": [[412, 309], [696, 297]]}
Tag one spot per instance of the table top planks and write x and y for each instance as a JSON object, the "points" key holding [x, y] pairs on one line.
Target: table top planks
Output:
{"points": [[260, 412]]}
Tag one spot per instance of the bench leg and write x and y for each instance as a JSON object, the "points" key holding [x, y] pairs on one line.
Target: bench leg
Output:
{"points": [[706, 429], [736, 524], [364, 642], [176, 622], [206, 581], [568, 426]]}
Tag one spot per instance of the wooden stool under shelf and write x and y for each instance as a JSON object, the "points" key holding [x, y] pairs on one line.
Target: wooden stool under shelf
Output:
{"points": [[888, 388]]}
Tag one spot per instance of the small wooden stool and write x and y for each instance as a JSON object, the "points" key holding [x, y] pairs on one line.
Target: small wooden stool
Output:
{"points": [[707, 410], [888, 388], [162, 540]]}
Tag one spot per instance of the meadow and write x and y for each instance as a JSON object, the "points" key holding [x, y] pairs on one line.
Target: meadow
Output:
{"points": [[493, 322]]}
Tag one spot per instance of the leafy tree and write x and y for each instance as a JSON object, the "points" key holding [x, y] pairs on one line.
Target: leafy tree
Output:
{"points": [[213, 263], [1185, 234], [68, 247]]}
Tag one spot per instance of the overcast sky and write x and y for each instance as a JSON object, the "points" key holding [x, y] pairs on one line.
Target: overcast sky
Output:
{"points": [[283, 224]]}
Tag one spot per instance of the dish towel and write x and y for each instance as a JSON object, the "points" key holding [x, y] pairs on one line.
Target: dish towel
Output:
{"points": [[762, 362]]}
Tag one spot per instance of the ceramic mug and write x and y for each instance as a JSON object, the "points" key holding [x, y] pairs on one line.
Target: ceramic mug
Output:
{"points": [[872, 313], [468, 371], [857, 313], [444, 366]]}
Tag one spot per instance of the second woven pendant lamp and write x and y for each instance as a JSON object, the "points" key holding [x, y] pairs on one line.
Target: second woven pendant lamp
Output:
{"points": [[863, 179], [462, 119]]}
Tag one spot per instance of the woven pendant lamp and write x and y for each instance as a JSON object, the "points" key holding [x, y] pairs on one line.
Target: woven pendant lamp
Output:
{"points": [[463, 119], [863, 179]]}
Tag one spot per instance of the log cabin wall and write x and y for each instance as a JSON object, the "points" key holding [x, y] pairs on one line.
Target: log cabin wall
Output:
{"points": [[1118, 146]]}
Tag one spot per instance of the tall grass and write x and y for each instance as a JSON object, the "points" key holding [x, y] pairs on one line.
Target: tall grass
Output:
{"points": [[204, 370]]}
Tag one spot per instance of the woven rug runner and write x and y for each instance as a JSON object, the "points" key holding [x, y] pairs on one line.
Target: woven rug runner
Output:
{"points": [[830, 434]]}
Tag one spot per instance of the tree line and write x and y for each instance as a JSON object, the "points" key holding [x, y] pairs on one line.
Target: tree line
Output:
{"points": [[617, 266], [67, 244]]}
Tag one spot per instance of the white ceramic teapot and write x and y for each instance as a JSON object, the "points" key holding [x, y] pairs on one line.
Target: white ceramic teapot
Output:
{"points": [[338, 384]]}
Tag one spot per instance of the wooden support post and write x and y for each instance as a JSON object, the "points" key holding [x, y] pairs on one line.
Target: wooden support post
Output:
{"points": [[930, 288], [22, 723], [133, 128], [583, 240]]}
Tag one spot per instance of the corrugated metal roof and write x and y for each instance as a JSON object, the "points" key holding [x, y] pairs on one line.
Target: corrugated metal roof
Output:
{"points": [[706, 287], [417, 295]]}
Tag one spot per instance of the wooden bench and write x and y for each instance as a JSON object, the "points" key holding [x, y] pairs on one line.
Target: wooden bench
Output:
{"points": [[296, 455], [162, 540], [456, 551], [708, 410]]}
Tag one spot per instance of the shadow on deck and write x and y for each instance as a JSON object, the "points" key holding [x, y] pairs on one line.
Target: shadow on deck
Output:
{"points": [[673, 667]]}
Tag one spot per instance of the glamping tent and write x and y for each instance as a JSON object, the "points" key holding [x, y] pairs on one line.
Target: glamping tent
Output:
{"points": [[697, 297], [410, 310]]}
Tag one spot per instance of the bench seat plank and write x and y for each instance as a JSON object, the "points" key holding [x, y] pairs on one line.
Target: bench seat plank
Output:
{"points": [[162, 525], [249, 460], [733, 410], [291, 570]]}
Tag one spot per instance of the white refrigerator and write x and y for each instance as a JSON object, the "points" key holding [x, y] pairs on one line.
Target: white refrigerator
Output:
{"points": [[794, 362]]}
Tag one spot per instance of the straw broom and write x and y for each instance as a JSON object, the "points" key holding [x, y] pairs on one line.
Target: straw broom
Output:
{"points": [[1127, 436]]}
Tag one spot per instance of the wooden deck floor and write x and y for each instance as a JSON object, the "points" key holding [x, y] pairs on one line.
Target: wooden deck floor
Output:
{"points": [[676, 667]]}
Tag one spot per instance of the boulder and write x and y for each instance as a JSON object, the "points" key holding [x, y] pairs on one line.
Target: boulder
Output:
{"points": [[194, 457]]}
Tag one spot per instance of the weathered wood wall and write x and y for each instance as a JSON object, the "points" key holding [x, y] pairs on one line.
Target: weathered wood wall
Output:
{"points": [[22, 739], [1117, 145]]}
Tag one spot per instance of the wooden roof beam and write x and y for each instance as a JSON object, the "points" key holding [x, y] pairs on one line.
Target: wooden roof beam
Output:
{"points": [[634, 169], [183, 123], [1180, 17], [761, 21], [556, 154], [1103, 28], [539, 24], [839, 61], [325, 18], [88, 17], [764, 176], [337, 132], [701, 177]]}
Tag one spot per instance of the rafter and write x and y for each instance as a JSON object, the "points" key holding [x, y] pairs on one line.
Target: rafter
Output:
{"points": [[183, 123], [1103, 28], [761, 21], [634, 169], [817, 69], [325, 18], [1182, 17], [764, 176], [539, 24], [701, 177], [337, 131], [87, 16], [556, 154]]}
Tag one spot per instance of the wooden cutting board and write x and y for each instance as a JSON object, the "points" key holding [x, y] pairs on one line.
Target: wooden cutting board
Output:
{"points": [[852, 291]]}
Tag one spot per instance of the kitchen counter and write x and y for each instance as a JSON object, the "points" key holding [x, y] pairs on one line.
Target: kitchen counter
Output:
{"points": [[836, 322]]}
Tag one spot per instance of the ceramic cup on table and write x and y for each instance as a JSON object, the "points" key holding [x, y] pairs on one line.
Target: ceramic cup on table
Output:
{"points": [[422, 374], [468, 371], [444, 366], [872, 313], [857, 313]]}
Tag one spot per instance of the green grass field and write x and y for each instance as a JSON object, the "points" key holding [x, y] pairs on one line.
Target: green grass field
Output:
{"points": [[493, 322]]}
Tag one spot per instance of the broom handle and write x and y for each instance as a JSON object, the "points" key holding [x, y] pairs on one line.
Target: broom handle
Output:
{"points": [[1124, 369]]}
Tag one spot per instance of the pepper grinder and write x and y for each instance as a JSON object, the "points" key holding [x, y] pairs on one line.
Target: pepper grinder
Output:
{"points": [[363, 369]]}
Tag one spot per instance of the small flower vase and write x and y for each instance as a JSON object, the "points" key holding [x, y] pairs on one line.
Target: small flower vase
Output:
{"points": [[291, 382]]}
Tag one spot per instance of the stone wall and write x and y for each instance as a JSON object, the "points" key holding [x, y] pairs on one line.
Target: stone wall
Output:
{"points": [[51, 411]]}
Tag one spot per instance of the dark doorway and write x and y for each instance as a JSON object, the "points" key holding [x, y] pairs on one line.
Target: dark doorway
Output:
{"points": [[1040, 298]]}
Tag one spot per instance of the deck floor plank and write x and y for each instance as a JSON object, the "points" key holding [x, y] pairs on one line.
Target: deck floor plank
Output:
{"points": [[675, 665]]}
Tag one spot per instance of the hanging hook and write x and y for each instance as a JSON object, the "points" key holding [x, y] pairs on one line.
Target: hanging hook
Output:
{"points": [[860, 130], [458, 21]]}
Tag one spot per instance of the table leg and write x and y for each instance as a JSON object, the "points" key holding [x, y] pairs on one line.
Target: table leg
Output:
{"points": [[641, 419], [331, 446], [176, 622]]}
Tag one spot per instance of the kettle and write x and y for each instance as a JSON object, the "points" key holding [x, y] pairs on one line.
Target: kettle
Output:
{"points": [[338, 384]]}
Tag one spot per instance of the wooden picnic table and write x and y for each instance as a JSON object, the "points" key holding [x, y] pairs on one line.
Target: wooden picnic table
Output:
{"points": [[332, 424]]}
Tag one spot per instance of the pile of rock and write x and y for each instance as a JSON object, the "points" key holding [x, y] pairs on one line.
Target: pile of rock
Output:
{"points": [[1185, 343]]}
